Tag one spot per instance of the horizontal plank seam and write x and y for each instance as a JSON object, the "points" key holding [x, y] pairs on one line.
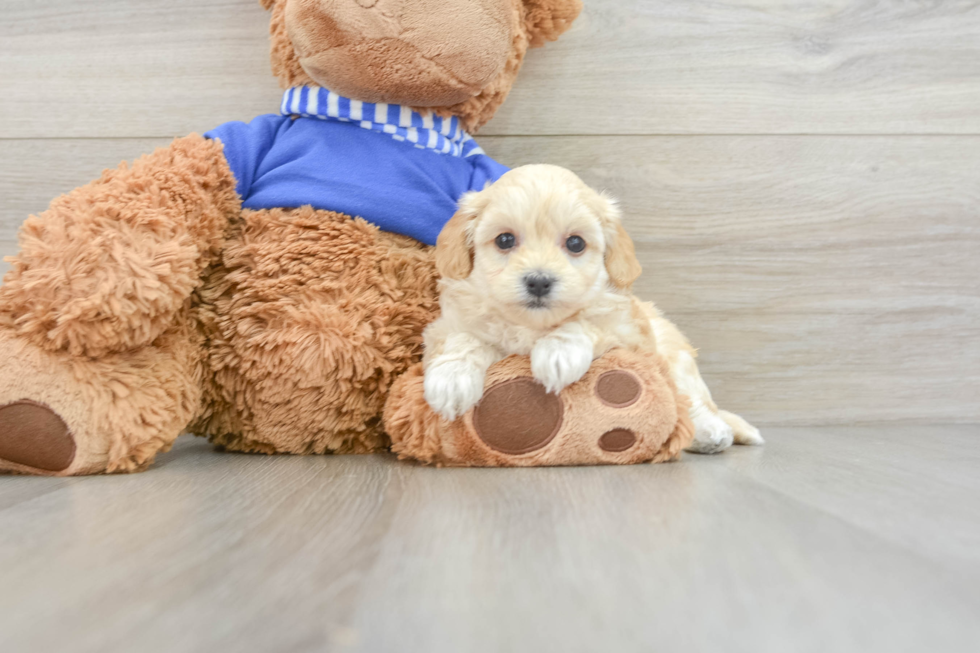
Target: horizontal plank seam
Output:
{"points": [[15, 139], [740, 135], [817, 423]]}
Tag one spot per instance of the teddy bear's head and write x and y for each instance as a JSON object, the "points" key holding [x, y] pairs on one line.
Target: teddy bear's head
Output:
{"points": [[455, 57]]}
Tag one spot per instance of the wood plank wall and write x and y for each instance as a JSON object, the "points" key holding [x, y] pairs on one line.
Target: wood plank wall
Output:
{"points": [[802, 179]]}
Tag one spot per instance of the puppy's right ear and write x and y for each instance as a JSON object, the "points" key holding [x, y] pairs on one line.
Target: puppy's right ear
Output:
{"points": [[454, 247], [267, 4]]}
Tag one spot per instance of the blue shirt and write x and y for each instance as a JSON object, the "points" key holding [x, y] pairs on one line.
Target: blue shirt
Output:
{"points": [[396, 168]]}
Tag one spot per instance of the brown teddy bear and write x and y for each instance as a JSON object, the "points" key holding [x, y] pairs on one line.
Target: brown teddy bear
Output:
{"points": [[220, 285]]}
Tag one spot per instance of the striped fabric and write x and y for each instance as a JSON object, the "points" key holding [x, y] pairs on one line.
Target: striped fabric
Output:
{"points": [[425, 131]]}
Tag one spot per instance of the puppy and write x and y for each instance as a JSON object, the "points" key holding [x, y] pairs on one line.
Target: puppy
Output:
{"points": [[539, 264]]}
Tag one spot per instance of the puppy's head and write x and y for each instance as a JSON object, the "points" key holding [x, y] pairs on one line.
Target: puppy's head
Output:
{"points": [[538, 242]]}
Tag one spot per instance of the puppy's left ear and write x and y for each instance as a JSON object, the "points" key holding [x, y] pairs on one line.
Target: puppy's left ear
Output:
{"points": [[454, 247], [621, 263]]}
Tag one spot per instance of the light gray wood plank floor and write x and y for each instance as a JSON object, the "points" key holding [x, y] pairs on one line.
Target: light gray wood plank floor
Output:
{"points": [[827, 539], [133, 68]]}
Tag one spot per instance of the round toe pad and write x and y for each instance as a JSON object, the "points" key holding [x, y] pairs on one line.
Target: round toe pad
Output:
{"points": [[518, 416]]}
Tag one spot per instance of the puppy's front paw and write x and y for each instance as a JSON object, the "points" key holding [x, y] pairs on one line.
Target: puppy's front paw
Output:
{"points": [[559, 361], [453, 387]]}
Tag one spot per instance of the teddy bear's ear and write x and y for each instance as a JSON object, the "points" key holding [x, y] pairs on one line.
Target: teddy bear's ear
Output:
{"points": [[546, 20]]}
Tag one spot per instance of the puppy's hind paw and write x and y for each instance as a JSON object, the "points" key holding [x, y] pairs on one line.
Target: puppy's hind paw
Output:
{"points": [[711, 433], [453, 387]]}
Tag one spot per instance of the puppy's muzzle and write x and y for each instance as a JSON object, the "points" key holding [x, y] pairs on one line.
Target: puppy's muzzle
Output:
{"points": [[538, 285]]}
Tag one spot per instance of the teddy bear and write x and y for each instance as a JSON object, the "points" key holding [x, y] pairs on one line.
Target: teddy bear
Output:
{"points": [[264, 284]]}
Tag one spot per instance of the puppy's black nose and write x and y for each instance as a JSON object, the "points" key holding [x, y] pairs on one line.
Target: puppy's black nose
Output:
{"points": [[539, 285]]}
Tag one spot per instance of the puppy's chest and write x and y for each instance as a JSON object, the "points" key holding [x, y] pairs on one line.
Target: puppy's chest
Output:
{"points": [[605, 334], [512, 339]]}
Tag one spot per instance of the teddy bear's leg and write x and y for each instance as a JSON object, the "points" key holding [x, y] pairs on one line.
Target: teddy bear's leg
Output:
{"points": [[108, 266], [66, 415], [98, 348], [315, 315]]}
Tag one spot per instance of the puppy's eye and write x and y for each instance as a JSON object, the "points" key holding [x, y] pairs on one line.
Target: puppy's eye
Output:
{"points": [[505, 241], [575, 244]]}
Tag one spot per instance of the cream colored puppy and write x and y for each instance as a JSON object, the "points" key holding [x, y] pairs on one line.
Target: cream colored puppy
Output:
{"points": [[539, 264]]}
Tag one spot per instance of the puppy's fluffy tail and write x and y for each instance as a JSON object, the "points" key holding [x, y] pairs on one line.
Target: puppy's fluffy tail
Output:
{"points": [[744, 432]]}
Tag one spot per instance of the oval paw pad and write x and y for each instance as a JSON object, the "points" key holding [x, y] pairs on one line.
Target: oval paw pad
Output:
{"points": [[618, 389], [617, 440]]}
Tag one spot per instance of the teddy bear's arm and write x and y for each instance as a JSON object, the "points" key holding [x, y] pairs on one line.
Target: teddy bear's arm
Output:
{"points": [[109, 264]]}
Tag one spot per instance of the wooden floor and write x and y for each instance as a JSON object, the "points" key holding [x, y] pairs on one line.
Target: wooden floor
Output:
{"points": [[830, 539]]}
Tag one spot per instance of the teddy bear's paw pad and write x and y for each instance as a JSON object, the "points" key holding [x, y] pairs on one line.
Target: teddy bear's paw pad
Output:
{"points": [[33, 435], [618, 389], [617, 440], [518, 416]]}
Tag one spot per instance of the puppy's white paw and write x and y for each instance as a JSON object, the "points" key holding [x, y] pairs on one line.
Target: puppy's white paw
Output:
{"points": [[453, 387], [711, 433], [559, 361]]}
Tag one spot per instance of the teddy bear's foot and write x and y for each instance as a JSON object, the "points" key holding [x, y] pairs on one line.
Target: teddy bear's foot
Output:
{"points": [[64, 415], [34, 436], [47, 428], [519, 416], [625, 410]]}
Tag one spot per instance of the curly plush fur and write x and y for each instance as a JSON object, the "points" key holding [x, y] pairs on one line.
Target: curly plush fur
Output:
{"points": [[109, 265], [311, 317]]}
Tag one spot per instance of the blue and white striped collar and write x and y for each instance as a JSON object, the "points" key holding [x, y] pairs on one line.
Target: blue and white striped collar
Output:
{"points": [[426, 131]]}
